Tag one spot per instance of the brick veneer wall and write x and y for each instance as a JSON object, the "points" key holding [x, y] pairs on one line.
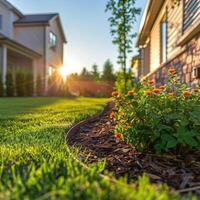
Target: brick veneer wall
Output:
{"points": [[184, 63]]}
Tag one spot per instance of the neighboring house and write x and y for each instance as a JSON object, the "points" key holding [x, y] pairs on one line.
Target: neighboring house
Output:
{"points": [[30, 42], [169, 36]]}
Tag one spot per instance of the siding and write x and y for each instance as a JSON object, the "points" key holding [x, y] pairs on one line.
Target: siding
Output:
{"points": [[31, 37], [54, 57], [8, 18], [155, 46], [174, 28]]}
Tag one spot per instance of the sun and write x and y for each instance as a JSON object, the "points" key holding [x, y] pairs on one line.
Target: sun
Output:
{"points": [[63, 72]]}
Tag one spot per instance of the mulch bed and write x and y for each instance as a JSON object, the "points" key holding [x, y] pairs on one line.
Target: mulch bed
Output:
{"points": [[97, 139]]}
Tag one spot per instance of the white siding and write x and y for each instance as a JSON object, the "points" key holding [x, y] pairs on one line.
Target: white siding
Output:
{"points": [[8, 18], [54, 57]]}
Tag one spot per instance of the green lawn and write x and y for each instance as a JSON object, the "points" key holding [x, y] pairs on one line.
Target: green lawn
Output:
{"points": [[35, 162]]}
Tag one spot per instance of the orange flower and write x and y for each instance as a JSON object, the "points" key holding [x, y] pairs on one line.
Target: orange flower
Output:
{"points": [[171, 94], [151, 82], [162, 87], [186, 93], [115, 94], [118, 136], [195, 90], [112, 115], [130, 93], [148, 93], [171, 71], [156, 90]]}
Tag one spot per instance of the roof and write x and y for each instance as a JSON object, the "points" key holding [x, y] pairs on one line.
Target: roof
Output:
{"points": [[11, 42], [151, 12], [13, 8], [43, 19], [36, 18]]}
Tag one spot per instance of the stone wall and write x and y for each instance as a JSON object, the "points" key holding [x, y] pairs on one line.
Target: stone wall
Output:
{"points": [[184, 63]]}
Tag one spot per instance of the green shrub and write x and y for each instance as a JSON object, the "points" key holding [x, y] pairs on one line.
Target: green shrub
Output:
{"points": [[20, 83], [1, 86], [29, 84], [39, 86], [9, 84], [159, 119]]}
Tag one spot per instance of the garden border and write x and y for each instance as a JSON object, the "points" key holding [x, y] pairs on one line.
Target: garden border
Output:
{"points": [[74, 130]]}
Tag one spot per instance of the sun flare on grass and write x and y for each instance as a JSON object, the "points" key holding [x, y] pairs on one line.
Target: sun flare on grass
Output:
{"points": [[63, 72]]}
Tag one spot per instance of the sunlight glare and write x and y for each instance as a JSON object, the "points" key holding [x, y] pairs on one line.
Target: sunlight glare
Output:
{"points": [[63, 72]]}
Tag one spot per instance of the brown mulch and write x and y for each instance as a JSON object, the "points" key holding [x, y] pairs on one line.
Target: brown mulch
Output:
{"points": [[96, 138]]}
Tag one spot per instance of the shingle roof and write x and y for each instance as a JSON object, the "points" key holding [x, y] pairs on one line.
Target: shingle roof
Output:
{"points": [[2, 36], [36, 18]]}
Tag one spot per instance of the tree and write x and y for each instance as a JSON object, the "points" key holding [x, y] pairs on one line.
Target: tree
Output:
{"points": [[20, 87], [9, 84], [95, 73], [1, 86], [123, 16], [108, 74], [85, 75]]}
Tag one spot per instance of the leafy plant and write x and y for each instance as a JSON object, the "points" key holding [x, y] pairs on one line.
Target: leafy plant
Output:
{"points": [[9, 84], [29, 84], [160, 119], [20, 87], [39, 85]]}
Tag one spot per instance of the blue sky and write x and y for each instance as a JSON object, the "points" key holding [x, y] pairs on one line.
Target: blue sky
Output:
{"points": [[86, 28]]}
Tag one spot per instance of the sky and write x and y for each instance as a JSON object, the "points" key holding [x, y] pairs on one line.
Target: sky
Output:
{"points": [[86, 28]]}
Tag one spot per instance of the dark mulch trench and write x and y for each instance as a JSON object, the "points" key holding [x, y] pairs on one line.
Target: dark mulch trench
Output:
{"points": [[96, 138]]}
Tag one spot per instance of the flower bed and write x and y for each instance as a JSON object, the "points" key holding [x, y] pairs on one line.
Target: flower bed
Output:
{"points": [[160, 119]]}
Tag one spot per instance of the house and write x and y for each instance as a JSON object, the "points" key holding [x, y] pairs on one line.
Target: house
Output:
{"points": [[30, 42], [169, 36]]}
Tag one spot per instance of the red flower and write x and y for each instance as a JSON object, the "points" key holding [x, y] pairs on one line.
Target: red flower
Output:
{"points": [[186, 94], [112, 115], [171, 71], [130, 93], [171, 94], [148, 93], [115, 94], [156, 91], [151, 82], [118, 136], [195, 90]]}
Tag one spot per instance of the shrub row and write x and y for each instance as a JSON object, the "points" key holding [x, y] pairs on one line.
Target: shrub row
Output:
{"points": [[23, 85]]}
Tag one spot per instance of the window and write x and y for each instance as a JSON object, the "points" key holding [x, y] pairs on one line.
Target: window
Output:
{"points": [[191, 13], [163, 41], [52, 39], [1, 22]]}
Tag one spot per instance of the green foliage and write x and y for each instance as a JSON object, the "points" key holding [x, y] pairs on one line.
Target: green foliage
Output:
{"points": [[39, 85], [123, 17], [9, 84], [160, 120], [108, 74], [85, 75], [36, 164], [20, 87], [119, 83], [1, 86], [29, 85], [95, 73]]}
